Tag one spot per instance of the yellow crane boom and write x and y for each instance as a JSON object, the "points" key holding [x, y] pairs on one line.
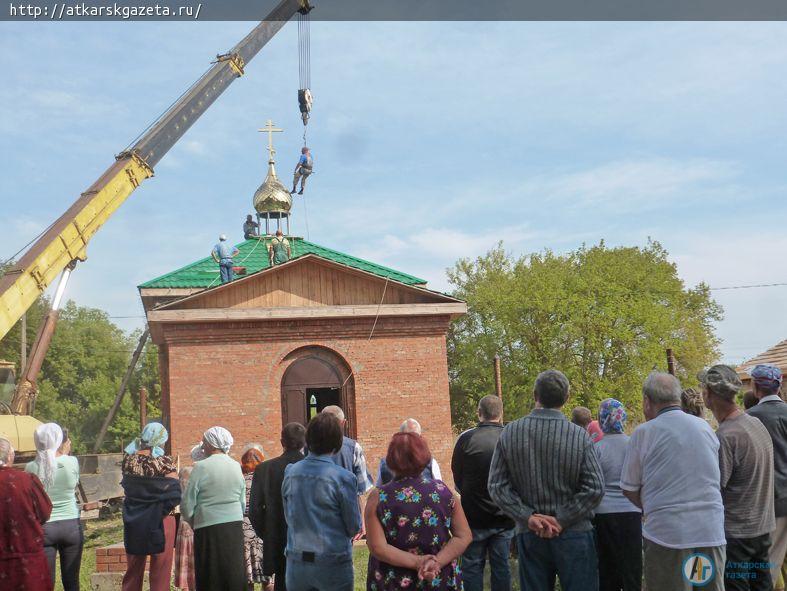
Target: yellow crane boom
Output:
{"points": [[65, 241]]}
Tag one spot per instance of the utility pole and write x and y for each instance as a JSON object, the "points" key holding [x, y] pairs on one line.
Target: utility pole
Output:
{"points": [[498, 379], [121, 391], [670, 362], [143, 407]]}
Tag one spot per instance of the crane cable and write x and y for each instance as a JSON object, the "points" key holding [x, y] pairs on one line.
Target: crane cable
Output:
{"points": [[304, 65]]}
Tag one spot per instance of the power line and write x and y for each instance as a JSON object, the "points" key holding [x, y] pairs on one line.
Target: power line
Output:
{"points": [[748, 286]]}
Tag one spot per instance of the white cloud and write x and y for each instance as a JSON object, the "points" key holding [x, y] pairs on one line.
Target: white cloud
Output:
{"points": [[734, 256], [195, 147], [633, 184]]}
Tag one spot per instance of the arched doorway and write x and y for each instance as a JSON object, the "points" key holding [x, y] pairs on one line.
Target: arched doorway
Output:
{"points": [[316, 378]]}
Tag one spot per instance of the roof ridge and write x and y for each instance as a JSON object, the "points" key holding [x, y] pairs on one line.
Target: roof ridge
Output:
{"points": [[355, 258], [193, 274], [765, 354]]}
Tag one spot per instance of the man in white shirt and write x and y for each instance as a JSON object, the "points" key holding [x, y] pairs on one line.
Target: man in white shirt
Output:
{"points": [[672, 472], [432, 471]]}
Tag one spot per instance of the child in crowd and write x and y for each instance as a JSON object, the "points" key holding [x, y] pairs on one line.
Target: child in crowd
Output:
{"points": [[581, 416], [184, 545]]}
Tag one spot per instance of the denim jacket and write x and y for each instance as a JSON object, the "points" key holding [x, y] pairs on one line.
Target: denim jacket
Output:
{"points": [[321, 509]]}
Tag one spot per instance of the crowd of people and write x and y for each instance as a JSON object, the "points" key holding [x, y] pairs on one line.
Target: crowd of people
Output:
{"points": [[672, 506]]}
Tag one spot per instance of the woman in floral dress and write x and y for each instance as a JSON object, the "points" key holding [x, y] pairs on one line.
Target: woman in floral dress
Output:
{"points": [[416, 528], [251, 458], [184, 545]]}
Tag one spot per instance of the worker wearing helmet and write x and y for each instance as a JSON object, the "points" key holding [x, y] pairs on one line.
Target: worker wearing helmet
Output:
{"points": [[222, 253], [302, 170]]}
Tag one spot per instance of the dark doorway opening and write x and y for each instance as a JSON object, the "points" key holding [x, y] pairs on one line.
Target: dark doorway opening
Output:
{"points": [[318, 398], [317, 378]]}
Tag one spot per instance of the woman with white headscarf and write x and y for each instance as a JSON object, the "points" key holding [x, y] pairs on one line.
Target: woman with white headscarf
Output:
{"points": [[59, 473], [213, 504]]}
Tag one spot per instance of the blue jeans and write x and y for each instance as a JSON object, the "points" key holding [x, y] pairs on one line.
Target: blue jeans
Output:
{"points": [[225, 269], [66, 538], [496, 542], [319, 576], [571, 556]]}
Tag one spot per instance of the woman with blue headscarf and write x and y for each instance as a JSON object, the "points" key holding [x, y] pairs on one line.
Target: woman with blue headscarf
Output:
{"points": [[150, 481], [618, 522]]}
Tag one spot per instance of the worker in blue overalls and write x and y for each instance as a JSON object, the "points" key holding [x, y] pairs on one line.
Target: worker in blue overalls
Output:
{"points": [[222, 253]]}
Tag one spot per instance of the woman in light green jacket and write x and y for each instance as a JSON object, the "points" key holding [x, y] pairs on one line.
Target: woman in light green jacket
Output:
{"points": [[213, 504], [59, 473]]}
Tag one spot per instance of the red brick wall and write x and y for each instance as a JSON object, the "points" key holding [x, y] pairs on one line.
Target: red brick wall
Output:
{"points": [[229, 374], [112, 559]]}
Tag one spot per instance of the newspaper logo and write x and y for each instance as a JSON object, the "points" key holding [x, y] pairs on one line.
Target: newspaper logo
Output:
{"points": [[698, 569]]}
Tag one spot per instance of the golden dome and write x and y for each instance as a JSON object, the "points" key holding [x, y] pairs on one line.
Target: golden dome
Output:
{"points": [[272, 196]]}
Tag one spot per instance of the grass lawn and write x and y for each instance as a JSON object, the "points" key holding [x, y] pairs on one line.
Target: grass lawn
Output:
{"points": [[103, 532]]}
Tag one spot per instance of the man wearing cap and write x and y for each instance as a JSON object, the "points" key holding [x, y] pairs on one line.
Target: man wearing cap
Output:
{"points": [[746, 466], [222, 253], [772, 412]]}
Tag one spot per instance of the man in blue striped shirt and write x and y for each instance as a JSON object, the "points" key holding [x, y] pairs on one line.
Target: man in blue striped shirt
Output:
{"points": [[545, 475]]}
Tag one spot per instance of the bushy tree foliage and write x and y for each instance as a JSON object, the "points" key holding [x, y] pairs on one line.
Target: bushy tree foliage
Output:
{"points": [[81, 373], [603, 316]]}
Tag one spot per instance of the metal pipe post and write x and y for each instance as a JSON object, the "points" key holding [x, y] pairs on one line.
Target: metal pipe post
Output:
{"points": [[143, 408], [121, 391], [498, 378]]}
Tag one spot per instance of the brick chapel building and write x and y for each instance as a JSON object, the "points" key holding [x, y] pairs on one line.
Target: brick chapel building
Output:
{"points": [[280, 343]]}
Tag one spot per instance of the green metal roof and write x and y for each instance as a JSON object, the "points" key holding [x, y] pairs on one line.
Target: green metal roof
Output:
{"points": [[254, 256]]}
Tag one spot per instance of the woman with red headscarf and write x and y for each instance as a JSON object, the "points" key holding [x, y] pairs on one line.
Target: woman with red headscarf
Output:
{"points": [[24, 509], [252, 545]]}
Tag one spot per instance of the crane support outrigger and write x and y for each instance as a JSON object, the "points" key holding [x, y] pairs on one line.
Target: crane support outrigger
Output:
{"points": [[64, 243]]}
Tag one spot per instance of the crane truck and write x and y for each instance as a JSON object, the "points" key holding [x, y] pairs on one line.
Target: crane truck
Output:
{"points": [[64, 243]]}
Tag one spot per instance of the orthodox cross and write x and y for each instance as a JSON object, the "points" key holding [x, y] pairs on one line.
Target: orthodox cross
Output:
{"points": [[270, 130]]}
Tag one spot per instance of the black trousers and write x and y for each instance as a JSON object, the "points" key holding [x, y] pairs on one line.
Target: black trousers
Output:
{"points": [[219, 563], [747, 567], [65, 538], [619, 549]]}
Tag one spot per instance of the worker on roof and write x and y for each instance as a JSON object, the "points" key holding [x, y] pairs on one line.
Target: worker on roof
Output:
{"points": [[279, 249], [302, 170], [222, 253], [251, 229]]}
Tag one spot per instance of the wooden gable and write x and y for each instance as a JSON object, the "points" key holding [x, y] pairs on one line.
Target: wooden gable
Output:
{"points": [[309, 282]]}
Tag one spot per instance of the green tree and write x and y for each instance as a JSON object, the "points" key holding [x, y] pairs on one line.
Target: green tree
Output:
{"points": [[80, 377], [603, 316]]}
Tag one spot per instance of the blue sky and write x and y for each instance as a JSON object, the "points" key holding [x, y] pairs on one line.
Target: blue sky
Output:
{"points": [[432, 141]]}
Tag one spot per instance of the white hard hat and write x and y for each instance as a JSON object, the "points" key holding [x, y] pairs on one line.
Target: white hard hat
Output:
{"points": [[223, 237]]}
